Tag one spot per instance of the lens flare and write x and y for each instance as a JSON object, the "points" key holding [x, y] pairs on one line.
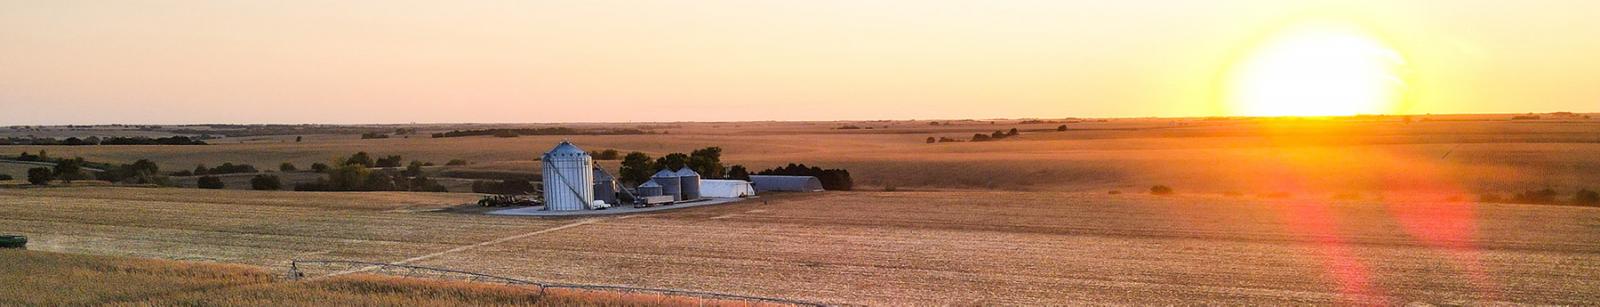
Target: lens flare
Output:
{"points": [[1316, 69]]}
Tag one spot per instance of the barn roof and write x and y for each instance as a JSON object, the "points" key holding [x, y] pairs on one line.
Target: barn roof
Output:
{"points": [[765, 183]]}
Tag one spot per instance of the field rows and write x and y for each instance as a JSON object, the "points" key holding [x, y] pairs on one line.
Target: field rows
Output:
{"points": [[966, 247]]}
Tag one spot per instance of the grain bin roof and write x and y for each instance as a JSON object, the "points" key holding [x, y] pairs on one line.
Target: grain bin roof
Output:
{"points": [[650, 184], [566, 148], [685, 172], [665, 173]]}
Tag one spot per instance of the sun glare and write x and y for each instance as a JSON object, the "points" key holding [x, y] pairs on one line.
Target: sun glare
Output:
{"points": [[1316, 69]]}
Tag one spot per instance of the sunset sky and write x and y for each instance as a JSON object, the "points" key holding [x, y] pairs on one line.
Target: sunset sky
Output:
{"points": [[84, 62]]}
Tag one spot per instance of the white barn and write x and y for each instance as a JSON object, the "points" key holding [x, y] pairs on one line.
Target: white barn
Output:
{"points": [[726, 188]]}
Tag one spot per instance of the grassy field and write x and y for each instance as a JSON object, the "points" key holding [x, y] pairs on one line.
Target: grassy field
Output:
{"points": [[1477, 154], [938, 247], [66, 279]]}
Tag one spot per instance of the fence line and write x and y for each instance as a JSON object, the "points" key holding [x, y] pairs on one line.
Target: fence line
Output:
{"points": [[296, 274]]}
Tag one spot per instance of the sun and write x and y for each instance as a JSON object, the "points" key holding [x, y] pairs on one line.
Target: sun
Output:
{"points": [[1319, 68]]}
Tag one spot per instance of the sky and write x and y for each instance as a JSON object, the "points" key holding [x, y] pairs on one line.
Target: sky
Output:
{"points": [[401, 61]]}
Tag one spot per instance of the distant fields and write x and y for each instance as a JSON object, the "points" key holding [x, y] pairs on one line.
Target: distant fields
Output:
{"points": [[949, 247], [1472, 154]]}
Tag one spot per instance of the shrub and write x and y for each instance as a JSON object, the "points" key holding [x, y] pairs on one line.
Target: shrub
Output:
{"points": [[1160, 190], [209, 182], [319, 167], [286, 167], [265, 182], [455, 162], [1061, 128], [360, 158], [5, 177], [69, 169], [1491, 198], [412, 170], [1585, 197], [1114, 192], [40, 175], [932, 140], [980, 137]]}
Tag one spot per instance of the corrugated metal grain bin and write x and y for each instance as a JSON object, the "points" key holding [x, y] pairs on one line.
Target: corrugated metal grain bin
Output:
{"points": [[568, 178], [689, 183], [670, 186]]}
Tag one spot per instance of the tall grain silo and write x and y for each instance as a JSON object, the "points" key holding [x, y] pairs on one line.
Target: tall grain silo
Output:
{"points": [[669, 183], [688, 183], [568, 178], [650, 188]]}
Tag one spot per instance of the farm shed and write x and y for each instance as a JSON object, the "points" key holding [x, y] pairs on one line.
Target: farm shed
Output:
{"points": [[726, 188], [764, 183]]}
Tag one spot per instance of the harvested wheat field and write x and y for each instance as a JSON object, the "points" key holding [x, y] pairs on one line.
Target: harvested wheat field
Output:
{"points": [[889, 248], [115, 281]]}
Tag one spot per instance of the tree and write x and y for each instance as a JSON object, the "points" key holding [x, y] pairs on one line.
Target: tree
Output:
{"points": [[738, 172], [360, 158], [297, 139], [979, 137], [608, 154], [348, 177], [636, 168], [319, 167], [1061, 128], [40, 176], [707, 162], [209, 182], [1013, 132], [286, 167], [997, 135], [266, 182], [455, 162], [200, 169], [673, 161], [69, 169], [932, 140]]}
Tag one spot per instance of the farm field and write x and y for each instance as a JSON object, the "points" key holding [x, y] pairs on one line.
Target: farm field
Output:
{"points": [[115, 281], [960, 247]]}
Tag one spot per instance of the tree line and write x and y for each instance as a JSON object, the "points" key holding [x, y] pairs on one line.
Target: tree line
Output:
{"points": [[94, 140], [356, 173], [504, 132]]}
